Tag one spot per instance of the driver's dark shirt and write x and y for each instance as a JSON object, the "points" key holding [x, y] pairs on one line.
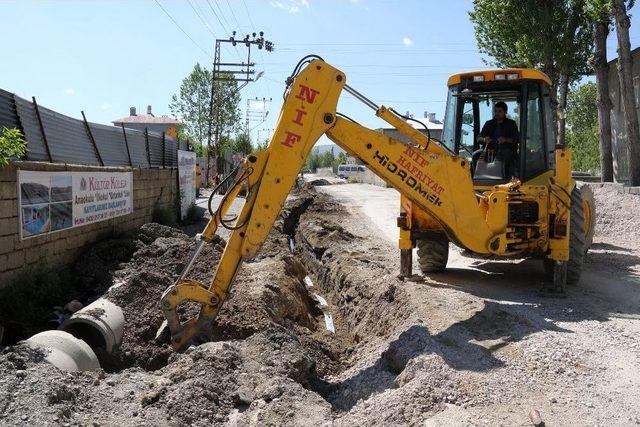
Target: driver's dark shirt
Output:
{"points": [[495, 130]]}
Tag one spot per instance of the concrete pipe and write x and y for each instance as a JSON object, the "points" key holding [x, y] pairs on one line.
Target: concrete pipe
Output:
{"points": [[100, 324], [64, 351]]}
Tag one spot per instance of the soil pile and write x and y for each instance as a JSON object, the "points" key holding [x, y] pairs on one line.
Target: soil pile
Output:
{"points": [[457, 345], [617, 215]]}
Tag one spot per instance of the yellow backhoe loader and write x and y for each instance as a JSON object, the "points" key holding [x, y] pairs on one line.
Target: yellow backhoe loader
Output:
{"points": [[452, 190]]}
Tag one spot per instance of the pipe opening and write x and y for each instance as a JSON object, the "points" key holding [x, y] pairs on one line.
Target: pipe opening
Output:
{"points": [[89, 334]]}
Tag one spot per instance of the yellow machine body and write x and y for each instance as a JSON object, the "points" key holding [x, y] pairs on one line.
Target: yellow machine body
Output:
{"points": [[436, 186]]}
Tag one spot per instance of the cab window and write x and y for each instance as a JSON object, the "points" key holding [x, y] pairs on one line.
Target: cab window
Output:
{"points": [[534, 146], [449, 129]]}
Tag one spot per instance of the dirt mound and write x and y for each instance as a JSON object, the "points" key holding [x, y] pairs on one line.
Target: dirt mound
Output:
{"points": [[272, 361], [617, 214], [319, 182], [161, 256]]}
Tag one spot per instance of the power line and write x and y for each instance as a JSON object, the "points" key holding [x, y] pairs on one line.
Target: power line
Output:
{"points": [[233, 14], [201, 18], [283, 64], [248, 14], [246, 9], [182, 29], [226, 30]]}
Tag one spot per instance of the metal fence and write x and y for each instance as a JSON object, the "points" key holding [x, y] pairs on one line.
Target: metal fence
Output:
{"points": [[54, 137]]}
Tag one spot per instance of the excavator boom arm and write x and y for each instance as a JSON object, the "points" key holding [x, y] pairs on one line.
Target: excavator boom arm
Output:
{"points": [[429, 175]]}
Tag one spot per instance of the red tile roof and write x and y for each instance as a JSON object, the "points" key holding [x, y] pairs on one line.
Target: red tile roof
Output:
{"points": [[143, 118]]}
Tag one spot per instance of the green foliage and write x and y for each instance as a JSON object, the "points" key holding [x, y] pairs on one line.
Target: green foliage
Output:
{"points": [[324, 160], [242, 143], [313, 162], [340, 160], [582, 127], [12, 145], [28, 302], [598, 10], [555, 36], [192, 104]]}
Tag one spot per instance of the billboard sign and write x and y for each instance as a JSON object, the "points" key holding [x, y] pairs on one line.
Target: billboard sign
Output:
{"points": [[55, 201]]}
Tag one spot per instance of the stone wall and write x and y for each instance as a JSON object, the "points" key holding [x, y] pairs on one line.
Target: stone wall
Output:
{"points": [[150, 186], [368, 177]]}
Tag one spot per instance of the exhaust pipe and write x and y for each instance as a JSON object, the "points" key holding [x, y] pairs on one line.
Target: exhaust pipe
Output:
{"points": [[100, 324], [64, 351]]}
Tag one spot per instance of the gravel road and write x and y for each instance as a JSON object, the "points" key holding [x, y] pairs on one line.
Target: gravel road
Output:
{"points": [[575, 359]]}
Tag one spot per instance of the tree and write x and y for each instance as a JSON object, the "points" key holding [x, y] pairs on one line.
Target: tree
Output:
{"points": [[326, 159], [313, 162], [242, 143], [192, 105], [582, 127], [627, 92], [552, 35], [600, 13], [12, 145], [341, 159]]}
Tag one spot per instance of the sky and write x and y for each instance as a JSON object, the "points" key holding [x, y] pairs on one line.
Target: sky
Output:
{"points": [[104, 56]]}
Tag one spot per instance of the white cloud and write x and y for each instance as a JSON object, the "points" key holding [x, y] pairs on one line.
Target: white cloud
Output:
{"points": [[106, 106], [291, 6], [71, 91], [407, 41]]}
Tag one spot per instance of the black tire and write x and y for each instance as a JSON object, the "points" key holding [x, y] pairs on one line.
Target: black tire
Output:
{"points": [[433, 253], [577, 238], [589, 200]]}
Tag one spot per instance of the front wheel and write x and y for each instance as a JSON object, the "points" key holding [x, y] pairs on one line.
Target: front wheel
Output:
{"points": [[433, 253]]}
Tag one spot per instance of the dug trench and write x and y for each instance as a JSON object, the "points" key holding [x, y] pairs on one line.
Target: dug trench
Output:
{"points": [[272, 360]]}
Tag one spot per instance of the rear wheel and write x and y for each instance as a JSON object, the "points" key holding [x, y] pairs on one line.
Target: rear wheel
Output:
{"points": [[589, 213], [578, 239], [433, 253]]}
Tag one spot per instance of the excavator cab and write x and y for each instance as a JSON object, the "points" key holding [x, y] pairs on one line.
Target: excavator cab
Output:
{"points": [[470, 104]]}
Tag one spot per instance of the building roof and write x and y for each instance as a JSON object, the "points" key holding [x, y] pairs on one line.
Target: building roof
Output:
{"points": [[489, 75], [147, 119], [633, 54]]}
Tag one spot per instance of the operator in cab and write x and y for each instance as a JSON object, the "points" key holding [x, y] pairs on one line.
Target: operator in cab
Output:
{"points": [[500, 137]]}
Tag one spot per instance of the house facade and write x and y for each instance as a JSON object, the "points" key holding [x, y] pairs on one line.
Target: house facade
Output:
{"points": [[618, 130]]}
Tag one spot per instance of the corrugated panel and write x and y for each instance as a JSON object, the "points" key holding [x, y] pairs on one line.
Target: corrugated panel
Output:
{"points": [[110, 142], [29, 121], [171, 152], [8, 114], [155, 149], [68, 139], [137, 146]]}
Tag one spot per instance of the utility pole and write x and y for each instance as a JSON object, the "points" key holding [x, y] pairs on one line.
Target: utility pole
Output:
{"points": [[256, 112], [229, 72]]}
